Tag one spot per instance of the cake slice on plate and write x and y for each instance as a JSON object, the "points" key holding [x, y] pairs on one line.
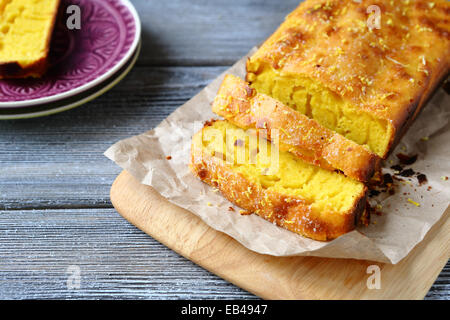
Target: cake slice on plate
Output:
{"points": [[25, 32]]}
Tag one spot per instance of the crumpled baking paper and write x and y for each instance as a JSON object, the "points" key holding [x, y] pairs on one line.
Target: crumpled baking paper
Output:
{"points": [[389, 237]]}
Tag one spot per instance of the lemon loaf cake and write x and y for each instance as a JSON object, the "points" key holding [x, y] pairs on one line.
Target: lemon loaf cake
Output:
{"points": [[237, 102], [25, 31], [361, 70], [303, 198]]}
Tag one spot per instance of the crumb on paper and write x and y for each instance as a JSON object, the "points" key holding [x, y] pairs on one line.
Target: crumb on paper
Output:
{"points": [[444, 178], [216, 220], [413, 202], [169, 157], [245, 212], [397, 168], [209, 204]]}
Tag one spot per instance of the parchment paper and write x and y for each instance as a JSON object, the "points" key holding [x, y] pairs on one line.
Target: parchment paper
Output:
{"points": [[389, 237]]}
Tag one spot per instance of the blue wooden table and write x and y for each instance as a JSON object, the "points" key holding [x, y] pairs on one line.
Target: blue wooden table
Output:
{"points": [[60, 237]]}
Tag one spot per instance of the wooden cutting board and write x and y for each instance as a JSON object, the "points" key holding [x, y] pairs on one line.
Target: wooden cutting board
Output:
{"points": [[274, 277]]}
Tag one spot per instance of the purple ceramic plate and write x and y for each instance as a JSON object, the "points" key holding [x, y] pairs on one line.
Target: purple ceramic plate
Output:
{"points": [[80, 59], [61, 105]]}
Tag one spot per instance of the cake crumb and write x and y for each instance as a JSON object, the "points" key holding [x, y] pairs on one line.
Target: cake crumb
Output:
{"points": [[245, 212], [413, 202]]}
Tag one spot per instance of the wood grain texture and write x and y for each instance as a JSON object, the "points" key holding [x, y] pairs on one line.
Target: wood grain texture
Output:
{"points": [[204, 32], [55, 181], [278, 277], [116, 260]]}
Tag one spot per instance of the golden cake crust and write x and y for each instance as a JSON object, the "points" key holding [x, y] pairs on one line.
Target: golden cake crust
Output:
{"points": [[237, 102], [291, 213], [11, 68], [388, 72]]}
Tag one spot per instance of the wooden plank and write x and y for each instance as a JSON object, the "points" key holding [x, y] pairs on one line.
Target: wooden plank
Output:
{"points": [[116, 260], [58, 162], [275, 277], [193, 32]]}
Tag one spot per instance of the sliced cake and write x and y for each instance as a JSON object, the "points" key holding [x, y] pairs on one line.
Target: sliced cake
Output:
{"points": [[278, 186]]}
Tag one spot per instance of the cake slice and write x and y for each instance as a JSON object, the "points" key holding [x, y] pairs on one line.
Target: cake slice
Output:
{"points": [[329, 61], [276, 185], [25, 32], [304, 137]]}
